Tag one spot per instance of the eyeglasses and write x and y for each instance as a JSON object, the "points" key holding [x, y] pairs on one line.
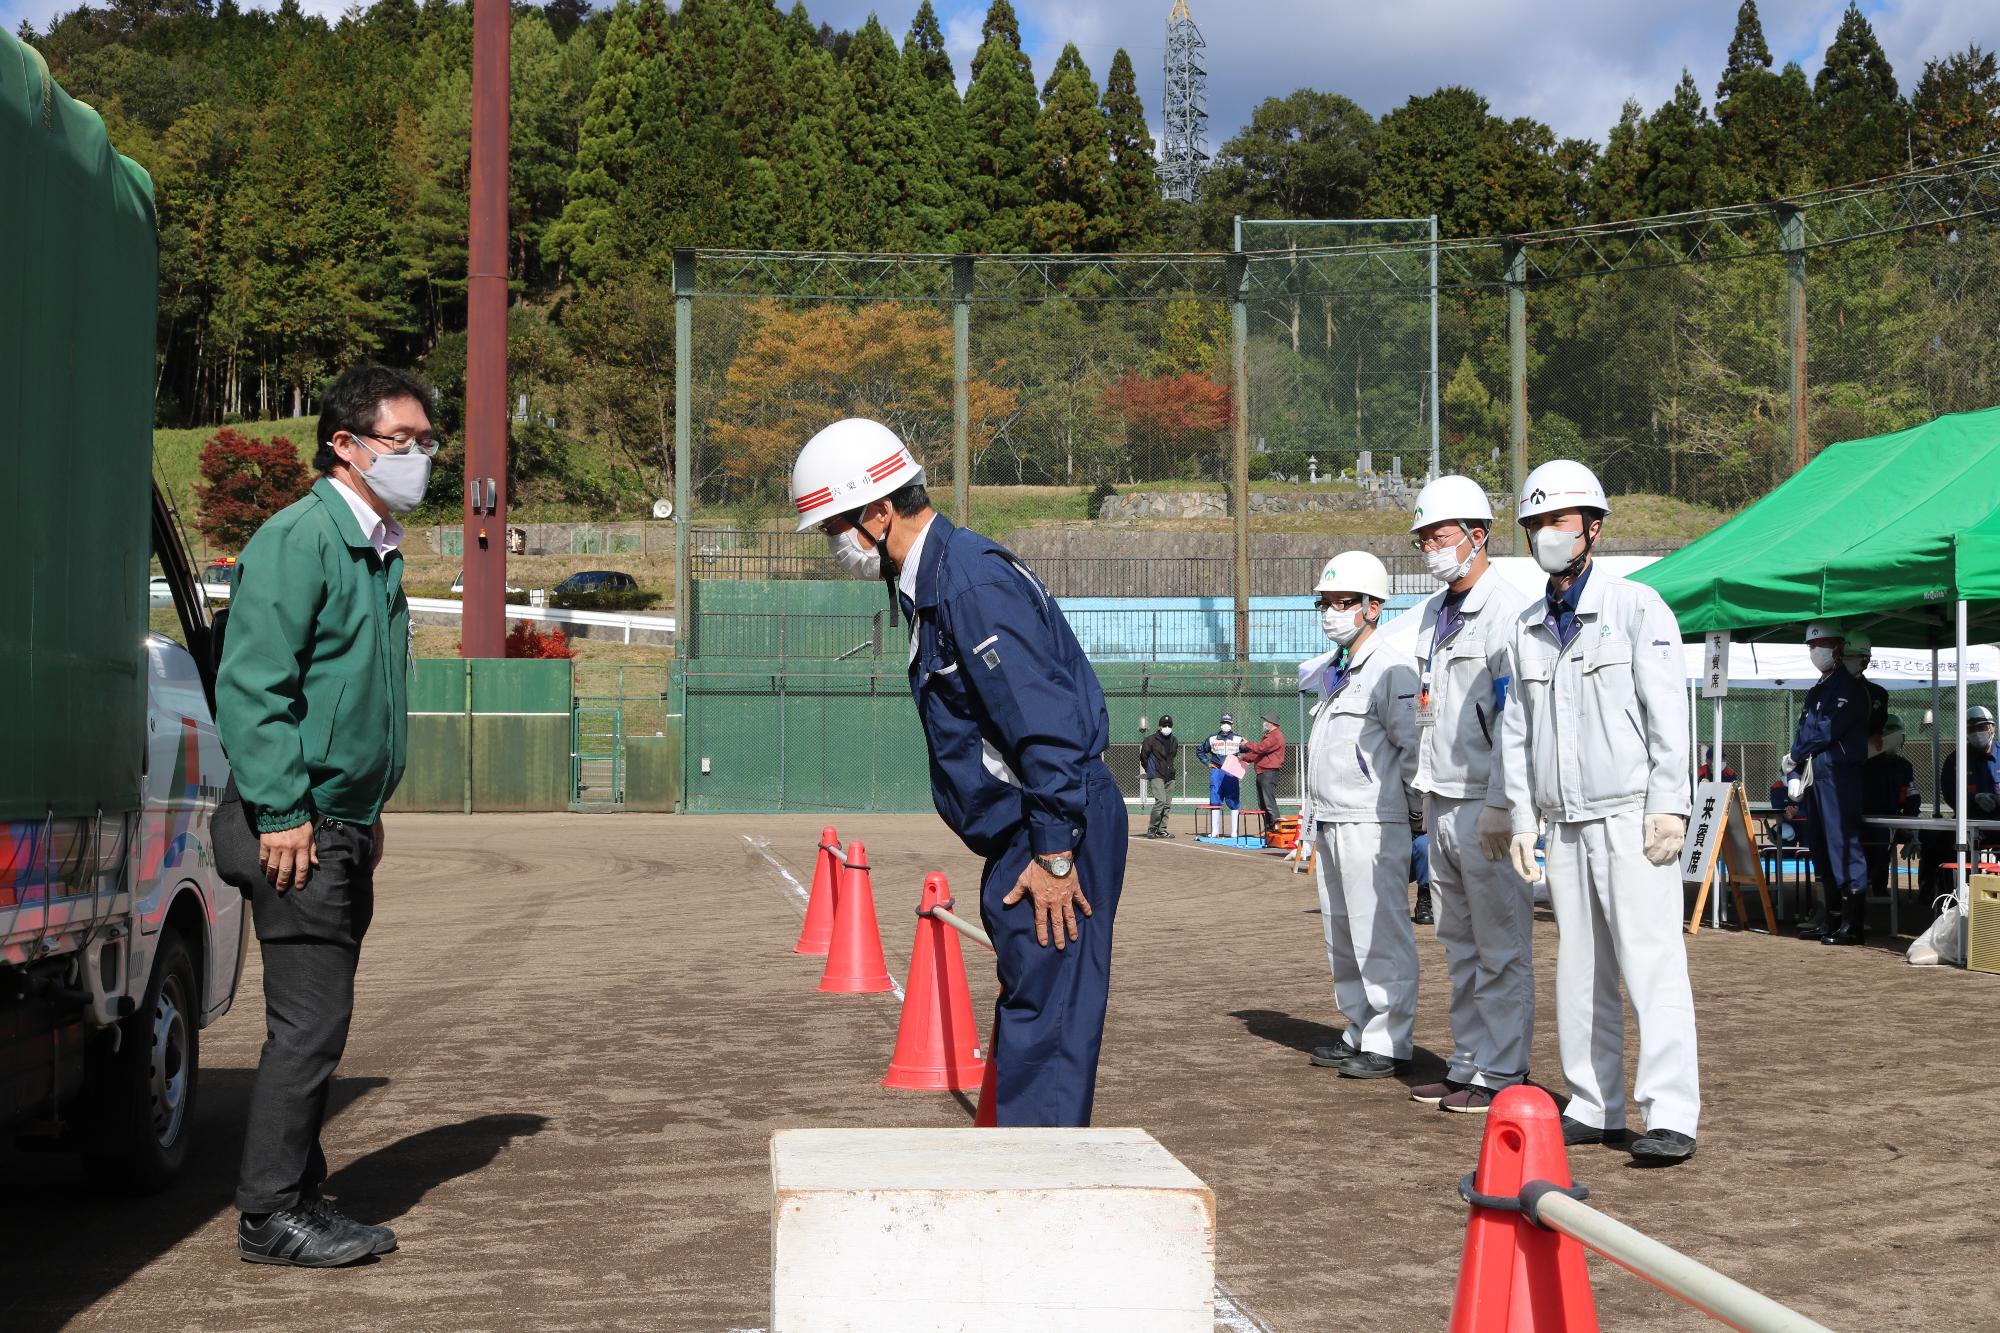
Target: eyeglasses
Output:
{"points": [[427, 445], [1436, 541], [1329, 602]]}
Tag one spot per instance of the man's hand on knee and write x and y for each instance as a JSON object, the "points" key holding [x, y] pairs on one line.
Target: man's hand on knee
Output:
{"points": [[1056, 901]]}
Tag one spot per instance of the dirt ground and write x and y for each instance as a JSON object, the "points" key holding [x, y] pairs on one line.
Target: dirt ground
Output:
{"points": [[575, 1035]]}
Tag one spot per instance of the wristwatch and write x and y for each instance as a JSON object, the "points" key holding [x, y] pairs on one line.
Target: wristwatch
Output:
{"points": [[1059, 865]]}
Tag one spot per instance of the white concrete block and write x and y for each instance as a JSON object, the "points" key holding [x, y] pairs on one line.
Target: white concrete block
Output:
{"points": [[978, 1230]]}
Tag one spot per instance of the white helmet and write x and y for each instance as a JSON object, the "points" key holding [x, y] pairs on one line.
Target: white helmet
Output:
{"points": [[1355, 571], [1451, 498], [1858, 643], [849, 464], [1979, 713], [1824, 629], [1562, 484]]}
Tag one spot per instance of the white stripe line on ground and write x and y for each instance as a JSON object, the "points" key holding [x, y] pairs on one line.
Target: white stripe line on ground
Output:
{"points": [[762, 846], [1230, 1314], [1239, 854]]}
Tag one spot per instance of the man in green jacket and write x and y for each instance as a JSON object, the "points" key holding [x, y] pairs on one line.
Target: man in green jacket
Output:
{"points": [[312, 706]]}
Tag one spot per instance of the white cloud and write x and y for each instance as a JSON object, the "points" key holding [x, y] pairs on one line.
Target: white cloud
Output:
{"points": [[1572, 65]]}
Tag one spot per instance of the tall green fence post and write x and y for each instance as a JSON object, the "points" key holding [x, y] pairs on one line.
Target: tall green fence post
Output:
{"points": [[683, 436], [1237, 278], [1517, 363], [961, 400], [1792, 236]]}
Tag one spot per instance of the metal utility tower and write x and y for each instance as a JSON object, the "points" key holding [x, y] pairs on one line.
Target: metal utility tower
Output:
{"points": [[1185, 109]]}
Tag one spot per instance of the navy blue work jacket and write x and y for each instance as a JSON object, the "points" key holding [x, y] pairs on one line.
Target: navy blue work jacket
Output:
{"points": [[1833, 726], [1010, 707]]}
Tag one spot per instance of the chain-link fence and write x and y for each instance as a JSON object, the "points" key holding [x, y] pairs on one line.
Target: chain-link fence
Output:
{"points": [[1175, 443]]}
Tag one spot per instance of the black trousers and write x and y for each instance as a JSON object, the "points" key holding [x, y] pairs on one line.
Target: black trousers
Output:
{"points": [[310, 939], [1267, 796]]}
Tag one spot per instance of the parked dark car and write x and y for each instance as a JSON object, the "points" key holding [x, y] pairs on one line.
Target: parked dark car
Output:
{"points": [[601, 589]]}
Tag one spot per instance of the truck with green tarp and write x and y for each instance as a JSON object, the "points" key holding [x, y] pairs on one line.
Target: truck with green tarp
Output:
{"points": [[118, 941]]}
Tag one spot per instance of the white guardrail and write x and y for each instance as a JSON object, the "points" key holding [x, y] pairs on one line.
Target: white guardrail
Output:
{"points": [[556, 614]]}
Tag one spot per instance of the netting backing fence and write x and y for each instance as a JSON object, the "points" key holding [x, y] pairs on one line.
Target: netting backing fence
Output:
{"points": [[1175, 443]]}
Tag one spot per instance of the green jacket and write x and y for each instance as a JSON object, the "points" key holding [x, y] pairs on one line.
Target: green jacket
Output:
{"points": [[312, 701]]}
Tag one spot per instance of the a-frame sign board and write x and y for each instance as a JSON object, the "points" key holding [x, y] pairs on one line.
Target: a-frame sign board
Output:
{"points": [[1720, 832]]}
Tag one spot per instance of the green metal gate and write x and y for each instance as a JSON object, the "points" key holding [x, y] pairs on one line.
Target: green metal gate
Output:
{"points": [[613, 706]]}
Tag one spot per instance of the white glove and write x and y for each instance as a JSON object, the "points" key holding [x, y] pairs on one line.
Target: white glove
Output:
{"points": [[1664, 836], [1496, 832], [1522, 850], [1786, 763], [1795, 787]]}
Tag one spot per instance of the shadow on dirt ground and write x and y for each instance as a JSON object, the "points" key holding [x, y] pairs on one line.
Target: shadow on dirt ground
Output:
{"points": [[1304, 1035], [388, 1182], [68, 1242]]}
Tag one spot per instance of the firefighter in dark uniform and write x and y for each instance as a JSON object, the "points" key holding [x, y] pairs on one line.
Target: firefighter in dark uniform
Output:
{"points": [[1832, 737], [1888, 788], [1016, 726]]}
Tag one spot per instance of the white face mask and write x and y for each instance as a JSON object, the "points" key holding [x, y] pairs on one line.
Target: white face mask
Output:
{"points": [[1555, 548], [1822, 659], [1855, 665], [857, 559], [1444, 565], [1225, 729], [1342, 627], [1166, 731], [398, 480], [1981, 740]]}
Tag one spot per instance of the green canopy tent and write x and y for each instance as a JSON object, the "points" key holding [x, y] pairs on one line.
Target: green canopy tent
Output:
{"points": [[1898, 535]]}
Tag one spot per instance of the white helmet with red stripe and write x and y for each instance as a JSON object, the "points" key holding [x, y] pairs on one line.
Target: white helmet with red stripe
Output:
{"points": [[1562, 484], [848, 465]]}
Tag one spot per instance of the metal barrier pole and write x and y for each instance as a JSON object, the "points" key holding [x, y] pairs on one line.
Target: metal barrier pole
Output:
{"points": [[1719, 1297], [960, 924]]}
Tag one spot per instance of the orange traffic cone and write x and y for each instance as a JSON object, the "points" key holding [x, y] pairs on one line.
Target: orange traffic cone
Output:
{"points": [[987, 1117], [818, 930], [1515, 1276], [854, 962], [937, 1049]]}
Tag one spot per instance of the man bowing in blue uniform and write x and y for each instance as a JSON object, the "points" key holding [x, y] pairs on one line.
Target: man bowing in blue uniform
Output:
{"points": [[1017, 728]]}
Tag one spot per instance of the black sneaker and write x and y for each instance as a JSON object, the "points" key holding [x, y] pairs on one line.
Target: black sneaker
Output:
{"points": [[302, 1238], [1422, 916], [1370, 1065], [1575, 1132], [383, 1239], [1334, 1056], [1662, 1147]]}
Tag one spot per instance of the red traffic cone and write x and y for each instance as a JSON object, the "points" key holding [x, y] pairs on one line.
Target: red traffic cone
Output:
{"points": [[937, 1049], [987, 1116], [818, 930], [854, 962], [1515, 1276]]}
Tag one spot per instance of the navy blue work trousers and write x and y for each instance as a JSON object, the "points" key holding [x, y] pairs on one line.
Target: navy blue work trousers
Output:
{"points": [[1833, 820], [1049, 1022]]}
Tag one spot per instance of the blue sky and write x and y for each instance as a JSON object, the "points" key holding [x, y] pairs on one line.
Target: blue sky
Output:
{"points": [[1571, 63]]}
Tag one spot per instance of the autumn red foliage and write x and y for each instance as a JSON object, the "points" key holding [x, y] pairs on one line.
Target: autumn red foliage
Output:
{"points": [[248, 480], [1183, 412], [524, 640]]}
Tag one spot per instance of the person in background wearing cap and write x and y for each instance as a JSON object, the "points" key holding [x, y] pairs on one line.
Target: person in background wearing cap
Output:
{"points": [[1225, 790], [1486, 912], [1158, 754], [1832, 737], [1594, 738], [1016, 726], [1361, 758], [1857, 650], [1268, 751], [1888, 788]]}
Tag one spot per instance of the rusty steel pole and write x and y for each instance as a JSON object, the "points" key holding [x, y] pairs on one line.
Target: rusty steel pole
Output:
{"points": [[485, 616]]}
